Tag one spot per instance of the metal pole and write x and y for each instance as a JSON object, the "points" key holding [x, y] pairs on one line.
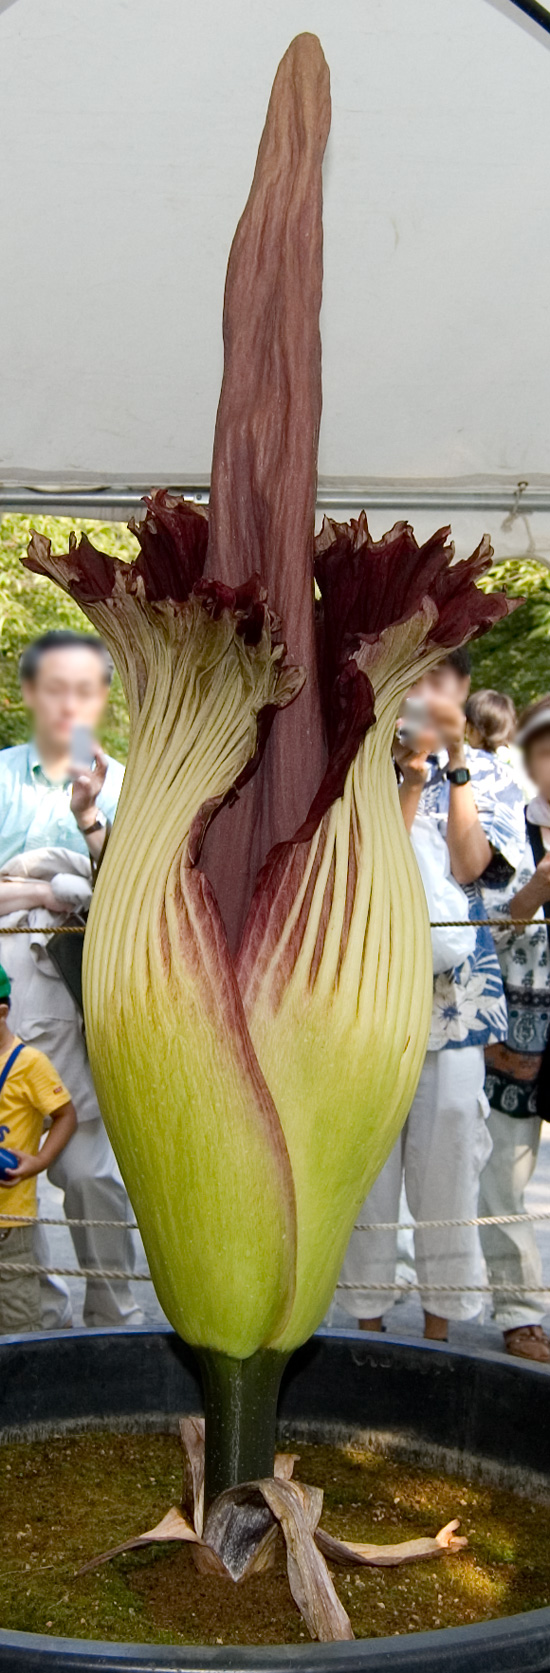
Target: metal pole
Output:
{"points": [[117, 504]]}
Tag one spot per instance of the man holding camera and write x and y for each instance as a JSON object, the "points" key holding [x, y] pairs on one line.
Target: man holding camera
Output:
{"points": [[48, 803]]}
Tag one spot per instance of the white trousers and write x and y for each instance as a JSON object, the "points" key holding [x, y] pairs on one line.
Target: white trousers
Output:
{"points": [[440, 1153], [511, 1252], [87, 1172]]}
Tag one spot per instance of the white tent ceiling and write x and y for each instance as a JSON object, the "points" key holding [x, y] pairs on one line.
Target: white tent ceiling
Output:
{"points": [[128, 131]]}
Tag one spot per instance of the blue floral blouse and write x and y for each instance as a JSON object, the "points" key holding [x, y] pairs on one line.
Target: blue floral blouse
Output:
{"points": [[469, 1005]]}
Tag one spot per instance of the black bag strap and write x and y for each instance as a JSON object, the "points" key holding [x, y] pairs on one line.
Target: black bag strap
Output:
{"points": [[538, 851], [9, 1065], [66, 952]]}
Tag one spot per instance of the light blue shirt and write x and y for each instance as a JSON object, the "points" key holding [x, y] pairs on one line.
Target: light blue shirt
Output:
{"points": [[36, 813]]}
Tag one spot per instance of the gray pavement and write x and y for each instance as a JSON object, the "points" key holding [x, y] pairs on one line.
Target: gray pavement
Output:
{"points": [[406, 1318]]}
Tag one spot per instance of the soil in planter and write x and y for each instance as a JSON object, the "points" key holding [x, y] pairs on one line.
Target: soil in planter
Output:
{"points": [[65, 1499]]}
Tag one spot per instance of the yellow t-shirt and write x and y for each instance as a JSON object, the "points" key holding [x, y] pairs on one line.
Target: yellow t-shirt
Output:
{"points": [[32, 1091]]}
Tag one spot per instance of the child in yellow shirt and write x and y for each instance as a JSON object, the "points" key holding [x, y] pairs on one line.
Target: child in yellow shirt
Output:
{"points": [[30, 1093]]}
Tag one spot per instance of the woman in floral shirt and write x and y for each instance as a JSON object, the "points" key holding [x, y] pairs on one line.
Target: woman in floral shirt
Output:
{"points": [[476, 808], [511, 1252]]}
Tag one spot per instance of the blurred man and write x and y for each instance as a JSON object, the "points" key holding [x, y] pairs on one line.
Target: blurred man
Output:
{"points": [[45, 805], [65, 679]]}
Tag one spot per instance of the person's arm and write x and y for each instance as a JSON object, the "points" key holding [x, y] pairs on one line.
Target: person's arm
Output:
{"points": [[535, 893], [413, 766], [18, 894], [86, 789], [469, 848], [63, 1126], [21, 894], [415, 773]]}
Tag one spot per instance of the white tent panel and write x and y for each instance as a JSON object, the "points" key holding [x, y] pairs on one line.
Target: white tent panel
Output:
{"points": [[128, 131]]}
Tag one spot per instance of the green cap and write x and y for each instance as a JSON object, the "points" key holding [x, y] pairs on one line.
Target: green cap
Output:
{"points": [[5, 985]]}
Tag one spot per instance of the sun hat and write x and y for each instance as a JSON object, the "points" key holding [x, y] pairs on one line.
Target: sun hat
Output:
{"points": [[538, 722]]}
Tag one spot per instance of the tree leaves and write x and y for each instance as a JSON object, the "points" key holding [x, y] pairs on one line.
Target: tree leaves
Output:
{"points": [[31, 605], [514, 655]]}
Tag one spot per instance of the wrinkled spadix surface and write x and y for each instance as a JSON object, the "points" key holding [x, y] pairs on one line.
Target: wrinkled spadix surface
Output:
{"points": [[252, 1097]]}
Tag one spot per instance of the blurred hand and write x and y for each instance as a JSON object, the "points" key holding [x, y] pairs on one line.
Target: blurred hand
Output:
{"points": [[86, 789], [51, 902], [450, 723], [413, 762], [27, 1167], [542, 876], [534, 893]]}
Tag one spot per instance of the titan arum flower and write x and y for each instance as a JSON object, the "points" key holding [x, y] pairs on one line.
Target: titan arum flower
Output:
{"points": [[257, 971]]}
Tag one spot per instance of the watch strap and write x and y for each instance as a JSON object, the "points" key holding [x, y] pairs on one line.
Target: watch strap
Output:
{"points": [[100, 824]]}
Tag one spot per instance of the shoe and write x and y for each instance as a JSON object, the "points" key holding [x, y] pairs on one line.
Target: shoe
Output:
{"points": [[528, 1341]]}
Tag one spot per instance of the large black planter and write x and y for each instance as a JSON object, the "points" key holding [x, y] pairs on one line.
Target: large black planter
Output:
{"points": [[468, 1410]]}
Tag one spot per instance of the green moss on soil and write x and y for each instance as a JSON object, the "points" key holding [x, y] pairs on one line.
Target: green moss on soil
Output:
{"points": [[68, 1498]]}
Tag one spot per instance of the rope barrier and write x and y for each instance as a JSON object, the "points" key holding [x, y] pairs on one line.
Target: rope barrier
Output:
{"points": [[435, 923], [74, 1271], [451, 1289], [488, 923], [32, 1267], [375, 1226], [55, 929], [438, 1225], [44, 1220]]}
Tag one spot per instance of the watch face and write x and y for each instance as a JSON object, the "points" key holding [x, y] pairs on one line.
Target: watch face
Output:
{"points": [[459, 776]]}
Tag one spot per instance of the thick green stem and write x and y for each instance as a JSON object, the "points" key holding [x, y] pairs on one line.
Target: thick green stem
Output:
{"points": [[240, 1406]]}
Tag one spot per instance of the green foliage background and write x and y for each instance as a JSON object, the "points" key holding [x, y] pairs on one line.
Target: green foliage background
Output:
{"points": [[30, 605], [514, 657]]}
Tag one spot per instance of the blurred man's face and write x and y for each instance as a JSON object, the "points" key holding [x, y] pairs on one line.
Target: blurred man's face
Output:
{"points": [[442, 684], [446, 682], [69, 690]]}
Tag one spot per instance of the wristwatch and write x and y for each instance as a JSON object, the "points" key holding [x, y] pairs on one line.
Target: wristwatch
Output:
{"points": [[100, 824], [456, 775]]}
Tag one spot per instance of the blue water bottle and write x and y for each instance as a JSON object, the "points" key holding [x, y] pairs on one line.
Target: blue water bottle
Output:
{"points": [[7, 1161]]}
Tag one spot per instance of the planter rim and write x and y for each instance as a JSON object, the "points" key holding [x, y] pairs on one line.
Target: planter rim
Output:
{"points": [[361, 1339], [415, 1649], [498, 1641]]}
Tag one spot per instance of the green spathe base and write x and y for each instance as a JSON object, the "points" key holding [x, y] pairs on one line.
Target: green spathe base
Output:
{"points": [[240, 1408]]}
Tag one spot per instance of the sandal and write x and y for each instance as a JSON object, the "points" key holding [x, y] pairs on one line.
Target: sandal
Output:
{"points": [[528, 1341]]}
